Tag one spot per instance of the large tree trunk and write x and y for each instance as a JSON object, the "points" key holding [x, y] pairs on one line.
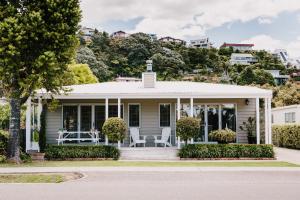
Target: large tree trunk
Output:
{"points": [[13, 151]]}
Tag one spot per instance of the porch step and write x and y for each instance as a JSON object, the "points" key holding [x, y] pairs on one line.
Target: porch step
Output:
{"points": [[149, 153]]}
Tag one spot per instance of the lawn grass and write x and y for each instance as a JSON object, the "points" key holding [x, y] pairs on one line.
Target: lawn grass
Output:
{"points": [[154, 164], [31, 178]]}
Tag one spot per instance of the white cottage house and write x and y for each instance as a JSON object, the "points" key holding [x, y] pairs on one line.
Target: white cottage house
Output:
{"points": [[149, 106]]}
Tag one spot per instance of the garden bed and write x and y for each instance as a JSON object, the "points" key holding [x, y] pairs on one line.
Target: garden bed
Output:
{"points": [[227, 152], [77, 152]]}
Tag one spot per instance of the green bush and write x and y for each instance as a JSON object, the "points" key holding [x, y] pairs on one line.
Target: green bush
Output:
{"points": [[3, 142], [187, 128], [201, 151], [114, 128], [222, 136], [2, 158], [53, 152], [286, 136]]}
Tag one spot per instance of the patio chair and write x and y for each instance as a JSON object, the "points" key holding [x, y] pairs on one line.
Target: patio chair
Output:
{"points": [[164, 138], [136, 138]]}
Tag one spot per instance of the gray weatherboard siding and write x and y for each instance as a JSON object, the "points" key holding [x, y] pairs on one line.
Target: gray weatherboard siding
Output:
{"points": [[150, 115]]}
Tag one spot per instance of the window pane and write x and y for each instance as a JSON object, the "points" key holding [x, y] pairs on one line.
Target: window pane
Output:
{"points": [[228, 116], [113, 111], [185, 110], [99, 120], [134, 115], [85, 118], [70, 118], [99, 117], [164, 115], [213, 117], [199, 113]]}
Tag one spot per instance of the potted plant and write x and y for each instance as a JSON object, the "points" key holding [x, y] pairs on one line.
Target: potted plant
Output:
{"points": [[224, 136], [249, 127], [36, 155], [35, 140]]}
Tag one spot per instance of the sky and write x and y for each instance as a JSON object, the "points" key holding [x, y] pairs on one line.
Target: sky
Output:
{"points": [[269, 24]]}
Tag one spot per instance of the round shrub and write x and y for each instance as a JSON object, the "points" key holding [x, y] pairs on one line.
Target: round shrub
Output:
{"points": [[187, 128], [114, 128], [224, 136]]}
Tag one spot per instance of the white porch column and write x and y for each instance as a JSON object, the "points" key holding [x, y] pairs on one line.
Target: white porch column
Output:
{"points": [[270, 121], [178, 118], [28, 124], [192, 113], [39, 112], [119, 107], [206, 121], [106, 117], [191, 107], [266, 121], [257, 121], [119, 116]]}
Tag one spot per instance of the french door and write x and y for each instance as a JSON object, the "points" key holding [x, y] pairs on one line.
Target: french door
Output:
{"points": [[212, 117]]}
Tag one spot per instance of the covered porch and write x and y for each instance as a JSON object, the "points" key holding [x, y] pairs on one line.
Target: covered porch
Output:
{"points": [[79, 120]]}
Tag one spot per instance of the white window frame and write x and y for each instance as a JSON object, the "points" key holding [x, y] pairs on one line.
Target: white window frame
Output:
{"points": [[219, 104], [140, 115], [290, 117], [170, 114], [79, 112]]}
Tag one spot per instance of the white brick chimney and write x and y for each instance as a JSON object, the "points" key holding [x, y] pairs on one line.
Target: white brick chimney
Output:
{"points": [[149, 77]]}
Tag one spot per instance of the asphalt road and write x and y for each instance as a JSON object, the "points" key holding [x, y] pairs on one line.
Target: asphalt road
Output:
{"points": [[157, 185]]}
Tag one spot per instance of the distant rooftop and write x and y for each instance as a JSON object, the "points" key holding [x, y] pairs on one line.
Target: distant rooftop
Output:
{"points": [[236, 45]]}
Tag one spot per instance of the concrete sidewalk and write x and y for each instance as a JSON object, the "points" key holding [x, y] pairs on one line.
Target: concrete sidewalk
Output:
{"points": [[288, 155], [146, 169]]}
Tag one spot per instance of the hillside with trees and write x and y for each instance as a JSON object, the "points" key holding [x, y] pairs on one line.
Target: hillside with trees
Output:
{"points": [[109, 57]]}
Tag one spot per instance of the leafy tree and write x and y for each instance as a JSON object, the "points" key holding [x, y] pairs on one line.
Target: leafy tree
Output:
{"points": [[287, 94], [86, 56], [252, 75], [80, 74], [37, 41], [168, 64]]}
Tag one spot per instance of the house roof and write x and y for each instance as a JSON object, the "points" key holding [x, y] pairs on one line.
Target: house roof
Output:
{"points": [[296, 106], [241, 55], [162, 89], [236, 45]]}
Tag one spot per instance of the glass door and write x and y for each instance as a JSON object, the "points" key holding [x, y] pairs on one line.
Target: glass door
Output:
{"points": [[212, 118], [199, 113]]}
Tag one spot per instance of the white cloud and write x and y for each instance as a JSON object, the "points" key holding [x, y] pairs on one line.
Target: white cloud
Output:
{"points": [[262, 20], [270, 44], [183, 18]]}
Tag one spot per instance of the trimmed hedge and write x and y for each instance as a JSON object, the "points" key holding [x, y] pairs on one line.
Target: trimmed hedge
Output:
{"points": [[203, 151], [54, 152], [286, 135]]}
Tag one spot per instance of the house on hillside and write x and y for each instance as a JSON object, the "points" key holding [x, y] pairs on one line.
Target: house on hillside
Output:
{"points": [[87, 33], [236, 46], [279, 79], [119, 34], [172, 40], [242, 59], [201, 43], [149, 107], [286, 114]]}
